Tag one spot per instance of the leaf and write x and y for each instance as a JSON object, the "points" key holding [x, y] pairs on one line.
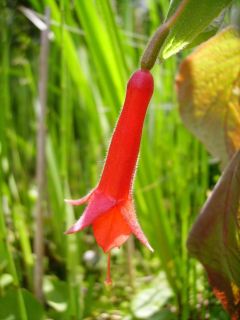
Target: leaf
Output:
{"points": [[9, 306], [208, 88], [215, 238], [56, 293], [209, 32], [202, 37], [5, 280], [148, 302], [34, 308], [195, 17]]}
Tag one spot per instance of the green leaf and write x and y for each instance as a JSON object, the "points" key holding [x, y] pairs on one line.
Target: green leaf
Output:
{"points": [[33, 308], [195, 17], [149, 301], [208, 88], [215, 238], [9, 309], [56, 293], [5, 280]]}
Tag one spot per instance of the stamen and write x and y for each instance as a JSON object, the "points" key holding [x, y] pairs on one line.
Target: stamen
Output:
{"points": [[108, 280]]}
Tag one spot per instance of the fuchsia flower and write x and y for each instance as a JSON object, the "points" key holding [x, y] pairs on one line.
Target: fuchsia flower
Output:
{"points": [[110, 209]]}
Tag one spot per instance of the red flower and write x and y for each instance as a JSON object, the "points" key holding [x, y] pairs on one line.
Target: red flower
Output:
{"points": [[110, 208]]}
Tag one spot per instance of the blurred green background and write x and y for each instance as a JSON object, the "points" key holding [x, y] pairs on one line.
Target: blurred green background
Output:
{"points": [[94, 48]]}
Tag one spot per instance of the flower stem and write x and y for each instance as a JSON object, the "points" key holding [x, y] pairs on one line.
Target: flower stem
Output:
{"points": [[152, 50]]}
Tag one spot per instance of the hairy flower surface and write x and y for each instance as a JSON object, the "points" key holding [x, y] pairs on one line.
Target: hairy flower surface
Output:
{"points": [[110, 208]]}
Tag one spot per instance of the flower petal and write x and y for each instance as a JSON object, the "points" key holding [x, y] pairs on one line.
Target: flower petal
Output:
{"points": [[128, 212], [111, 229], [99, 204], [80, 201]]}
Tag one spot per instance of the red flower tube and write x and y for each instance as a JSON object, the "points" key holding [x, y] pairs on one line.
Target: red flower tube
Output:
{"points": [[110, 208]]}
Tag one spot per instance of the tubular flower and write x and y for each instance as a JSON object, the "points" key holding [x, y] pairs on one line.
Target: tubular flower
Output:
{"points": [[110, 208]]}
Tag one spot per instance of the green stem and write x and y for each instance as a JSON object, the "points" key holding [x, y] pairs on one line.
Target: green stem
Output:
{"points": [[152, 50], [41, 165]]}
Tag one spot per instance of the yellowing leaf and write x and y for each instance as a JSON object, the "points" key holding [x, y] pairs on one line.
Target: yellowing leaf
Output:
{"points": [[208, 88], [215, 238]]}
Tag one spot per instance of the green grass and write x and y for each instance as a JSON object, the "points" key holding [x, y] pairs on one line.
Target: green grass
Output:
{"points": [[88, 71]]}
